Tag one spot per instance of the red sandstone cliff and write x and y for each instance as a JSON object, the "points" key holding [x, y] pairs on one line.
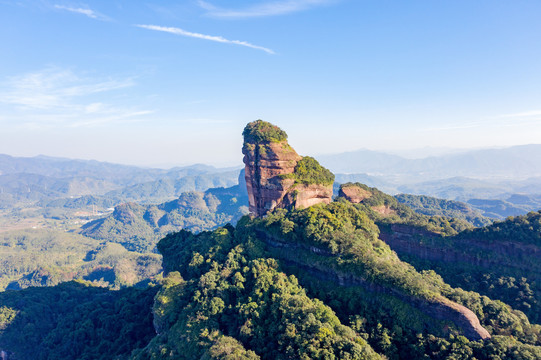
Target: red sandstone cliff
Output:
{"points": [[272, 176]]}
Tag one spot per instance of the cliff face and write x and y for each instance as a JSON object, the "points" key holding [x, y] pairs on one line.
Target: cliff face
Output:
{"points": [[438, 308], [354, 194], [276, 176], [357, 193]]}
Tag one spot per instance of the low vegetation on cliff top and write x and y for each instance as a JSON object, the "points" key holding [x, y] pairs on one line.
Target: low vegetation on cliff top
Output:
{"points": [[262, 131], [308, 171]]}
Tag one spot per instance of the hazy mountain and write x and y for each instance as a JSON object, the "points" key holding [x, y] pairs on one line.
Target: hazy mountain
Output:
{"points": [[168, 188], [517, 162], [121, 175], [500, 209], [27, 180]]}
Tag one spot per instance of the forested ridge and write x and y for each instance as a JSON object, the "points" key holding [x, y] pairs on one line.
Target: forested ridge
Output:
{"points": [[316, 283]]}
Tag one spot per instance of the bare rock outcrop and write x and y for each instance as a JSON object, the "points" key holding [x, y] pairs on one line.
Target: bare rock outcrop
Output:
{"points": [[278, 177], [353, 193], [358, 193]]}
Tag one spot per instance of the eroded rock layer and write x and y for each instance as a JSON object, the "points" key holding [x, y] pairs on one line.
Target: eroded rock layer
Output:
{"points": [[274, 178]]}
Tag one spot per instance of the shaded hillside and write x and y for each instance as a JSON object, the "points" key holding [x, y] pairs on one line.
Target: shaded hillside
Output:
{"points": [[75, 321], [514, 205], [452, 209], [500, 260], [139, 227]]}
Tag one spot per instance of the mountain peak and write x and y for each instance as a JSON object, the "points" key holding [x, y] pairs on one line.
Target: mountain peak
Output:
{"points": [[276, 176]]}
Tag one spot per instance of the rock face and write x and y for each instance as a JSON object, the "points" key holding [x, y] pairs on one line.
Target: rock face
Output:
{"points": [[353, 193], [439, 308], [276, 176], [358, 193]]}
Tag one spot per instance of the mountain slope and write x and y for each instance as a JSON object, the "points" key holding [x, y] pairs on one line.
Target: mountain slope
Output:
{"points": [[139, 227], [500, 260], [452, 209]]}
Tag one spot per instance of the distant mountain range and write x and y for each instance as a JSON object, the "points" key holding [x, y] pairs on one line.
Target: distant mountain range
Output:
{"points": [[46, 179], [517, 162], [121, 175], [498, 182]]}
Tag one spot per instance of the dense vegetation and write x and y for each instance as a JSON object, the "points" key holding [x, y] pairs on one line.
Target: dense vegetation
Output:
{"points": [[345, 241], [46, 258], [524, 229], [316, 283], [75, 321], [261, 131], [500, 261], [431, 206], [301, 284], [390, 325], [217, 303]]}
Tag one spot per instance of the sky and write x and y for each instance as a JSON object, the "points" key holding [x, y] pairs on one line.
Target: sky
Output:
{"points": [[163, 83]]}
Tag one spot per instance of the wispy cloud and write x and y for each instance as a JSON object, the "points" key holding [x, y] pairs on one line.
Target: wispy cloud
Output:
{"points": [[53, 88], [83, 11], [522, 114], [54, 97], [181, 32], [272, 8]]}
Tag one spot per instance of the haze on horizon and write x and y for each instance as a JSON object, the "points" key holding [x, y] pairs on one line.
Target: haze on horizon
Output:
{"points": [[151, 84]]}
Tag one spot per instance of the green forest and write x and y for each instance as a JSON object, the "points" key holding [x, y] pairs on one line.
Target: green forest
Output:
{"points": [[315, 283]]}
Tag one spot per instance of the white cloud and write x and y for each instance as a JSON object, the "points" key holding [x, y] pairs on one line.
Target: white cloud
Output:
{"points": [[178, 31], [59, 97], [84, 11], [265, 9]]}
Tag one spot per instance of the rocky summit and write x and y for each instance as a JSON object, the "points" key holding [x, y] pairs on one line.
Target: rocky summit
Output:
{"points": [[278, 177]]}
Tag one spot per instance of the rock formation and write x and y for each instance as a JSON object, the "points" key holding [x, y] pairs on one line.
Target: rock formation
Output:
{"points": [[276, 176], [357, 193], [353, 193]]}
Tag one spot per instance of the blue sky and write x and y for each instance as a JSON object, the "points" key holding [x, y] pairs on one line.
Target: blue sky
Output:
{"points": [[164, 83]]}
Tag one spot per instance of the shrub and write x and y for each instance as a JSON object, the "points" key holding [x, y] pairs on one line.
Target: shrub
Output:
{"points": [[262, 131]]}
